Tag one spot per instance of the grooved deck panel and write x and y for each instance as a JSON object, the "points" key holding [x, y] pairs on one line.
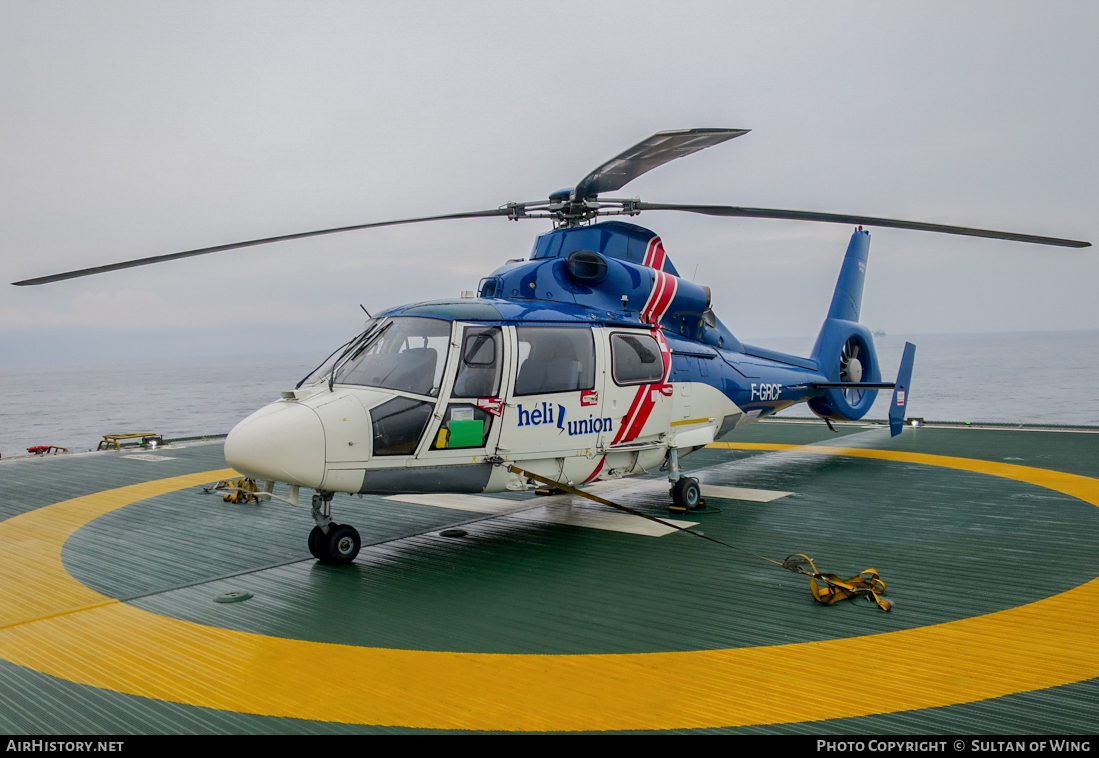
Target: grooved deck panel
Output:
{"points": [[986, 545]]}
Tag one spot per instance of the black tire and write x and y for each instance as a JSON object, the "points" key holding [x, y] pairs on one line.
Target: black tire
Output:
{"points": [[340, 545], [315, 538], [687, 494]]}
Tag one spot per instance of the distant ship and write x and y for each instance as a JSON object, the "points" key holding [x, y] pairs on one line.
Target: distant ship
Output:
{"points": [[879, 333]]}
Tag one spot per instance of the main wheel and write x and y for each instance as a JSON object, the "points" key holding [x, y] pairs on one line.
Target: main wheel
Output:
{"points": [[315, 538], [687, 494], [340, 545]]}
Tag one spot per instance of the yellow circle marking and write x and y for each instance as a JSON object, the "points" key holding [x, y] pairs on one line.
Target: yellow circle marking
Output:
{"points": [[51, 623]]}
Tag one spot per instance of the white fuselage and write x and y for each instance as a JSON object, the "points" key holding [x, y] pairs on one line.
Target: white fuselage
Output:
{"points": [[575, 426]]}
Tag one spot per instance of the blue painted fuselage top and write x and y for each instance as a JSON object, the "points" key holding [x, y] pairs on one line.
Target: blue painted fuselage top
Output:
{"points": [[542, 291]]}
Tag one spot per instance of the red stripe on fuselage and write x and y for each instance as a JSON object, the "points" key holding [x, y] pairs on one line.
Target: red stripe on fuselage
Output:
{"points": [[598, 468], [647, 404], [658, 255], [665, 353], [654, 294], [660, 283], [660, 299], [666, 298], [644, 401], [654, 254], [629, 414]]}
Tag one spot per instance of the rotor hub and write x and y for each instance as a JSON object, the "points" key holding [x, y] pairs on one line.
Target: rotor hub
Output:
{"points": [[853, 370]]}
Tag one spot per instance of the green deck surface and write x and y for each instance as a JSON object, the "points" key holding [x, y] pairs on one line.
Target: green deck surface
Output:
{"points": [[951, 544]]}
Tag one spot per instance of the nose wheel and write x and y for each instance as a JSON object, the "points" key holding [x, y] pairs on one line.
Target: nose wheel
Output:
{"points": [[330, 543], [337, 548]]}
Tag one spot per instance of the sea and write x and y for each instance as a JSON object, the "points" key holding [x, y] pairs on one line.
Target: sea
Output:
{"points": [[1022, 377]]}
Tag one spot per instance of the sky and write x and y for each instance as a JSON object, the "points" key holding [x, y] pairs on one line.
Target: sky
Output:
{"points": [[138, 128]]}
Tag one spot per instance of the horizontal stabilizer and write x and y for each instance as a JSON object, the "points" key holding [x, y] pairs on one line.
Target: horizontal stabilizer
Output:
{"points": [[901, 392], [853, 385]]}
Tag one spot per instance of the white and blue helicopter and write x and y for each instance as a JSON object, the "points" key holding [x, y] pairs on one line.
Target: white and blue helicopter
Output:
{"points": [[591, 360]]}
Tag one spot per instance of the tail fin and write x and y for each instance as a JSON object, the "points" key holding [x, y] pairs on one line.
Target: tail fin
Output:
{"points": [[847, 299], [844, 351], [843, 313], [902, 390]]}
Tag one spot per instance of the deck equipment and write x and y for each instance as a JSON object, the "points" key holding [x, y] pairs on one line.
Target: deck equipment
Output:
{"points": [[119, 441], [46, 449]]}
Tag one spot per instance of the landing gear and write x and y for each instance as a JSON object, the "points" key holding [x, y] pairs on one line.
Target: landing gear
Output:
{"points": [[341, 546], [686, 494], [331, 543], [315, 538]]}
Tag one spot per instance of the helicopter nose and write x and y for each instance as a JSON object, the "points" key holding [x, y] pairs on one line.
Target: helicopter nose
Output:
{"points": [[283, 442]]}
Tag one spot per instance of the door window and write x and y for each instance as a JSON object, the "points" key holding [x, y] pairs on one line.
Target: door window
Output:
{"points": [[480, 362], [635, 359], [464, 425], [554, 359]]}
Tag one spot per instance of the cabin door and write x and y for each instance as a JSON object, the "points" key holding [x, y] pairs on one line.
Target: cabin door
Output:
{"points": [[466, 423], [554, 410], [636, 393]]}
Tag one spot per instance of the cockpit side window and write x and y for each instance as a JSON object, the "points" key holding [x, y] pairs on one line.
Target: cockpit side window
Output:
{"points": [[480, 363], [409, 356], [555, 359]]}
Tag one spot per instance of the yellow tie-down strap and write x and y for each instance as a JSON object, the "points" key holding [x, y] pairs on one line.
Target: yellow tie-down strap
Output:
{"points": [[826, 588], [829, 588]]}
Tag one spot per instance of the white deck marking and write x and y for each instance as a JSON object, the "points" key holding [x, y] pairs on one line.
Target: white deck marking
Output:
{"points": [[553, 512], [471, 503], [148, 457], [743, 493], [595, 519], [708, 490]]}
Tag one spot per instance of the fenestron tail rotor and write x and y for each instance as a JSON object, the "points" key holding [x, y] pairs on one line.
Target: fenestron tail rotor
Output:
{"points": [[582, 204], [851, 370]]}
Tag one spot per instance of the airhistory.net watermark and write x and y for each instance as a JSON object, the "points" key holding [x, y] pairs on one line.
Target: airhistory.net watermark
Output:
{"points": [[63, 746]]}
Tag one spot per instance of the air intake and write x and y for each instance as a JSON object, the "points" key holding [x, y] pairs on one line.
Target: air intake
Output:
{"points": [[587, 267]]}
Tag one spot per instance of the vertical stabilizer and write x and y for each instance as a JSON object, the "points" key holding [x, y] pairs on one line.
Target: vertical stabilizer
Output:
{"points": [[843, 313], [847, 299], [844, 351]]}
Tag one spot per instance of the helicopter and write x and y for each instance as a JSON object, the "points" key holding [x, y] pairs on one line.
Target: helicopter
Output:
{"points": [[590, 360]]}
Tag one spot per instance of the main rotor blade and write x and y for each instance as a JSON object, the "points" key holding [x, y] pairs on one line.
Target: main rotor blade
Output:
{"points": [[649, 154], [249, 243], [840, 218]]}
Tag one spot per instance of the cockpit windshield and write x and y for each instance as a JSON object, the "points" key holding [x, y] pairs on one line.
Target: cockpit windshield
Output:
{"points": [[407, 354], [325, 369]]}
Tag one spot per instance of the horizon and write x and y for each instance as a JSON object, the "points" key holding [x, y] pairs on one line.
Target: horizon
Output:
{"points": [[135, 129], [126, 349]]}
